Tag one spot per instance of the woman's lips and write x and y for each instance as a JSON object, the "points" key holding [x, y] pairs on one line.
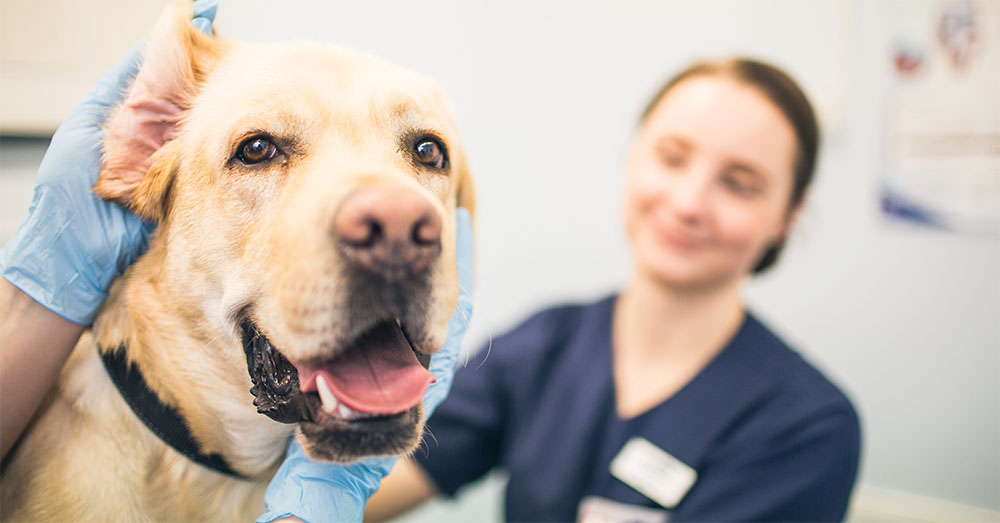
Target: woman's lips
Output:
{"points": [[679, 239]]}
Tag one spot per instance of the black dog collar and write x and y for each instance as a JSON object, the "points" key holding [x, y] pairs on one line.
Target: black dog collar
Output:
{"points": [[163, 420]]}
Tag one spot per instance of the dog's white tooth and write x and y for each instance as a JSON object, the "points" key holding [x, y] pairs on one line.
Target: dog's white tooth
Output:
{"points": [[330, 402], [345, 412]]}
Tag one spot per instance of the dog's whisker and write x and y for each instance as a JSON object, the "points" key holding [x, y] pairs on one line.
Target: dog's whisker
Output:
{"points": [[462, 310], [428, 433], [462, 288], [489, 347], [422, 445]]}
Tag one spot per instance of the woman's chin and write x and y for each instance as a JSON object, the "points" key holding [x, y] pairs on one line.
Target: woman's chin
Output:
{"points": [[685, 274]]}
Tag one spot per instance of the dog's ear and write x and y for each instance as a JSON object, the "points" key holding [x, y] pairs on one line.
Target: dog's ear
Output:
{"points": [[466, 195], [149, 197], [138, 159]]}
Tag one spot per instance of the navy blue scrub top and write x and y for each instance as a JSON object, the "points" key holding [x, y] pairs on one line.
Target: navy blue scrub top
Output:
{"points": [[770, 437]]}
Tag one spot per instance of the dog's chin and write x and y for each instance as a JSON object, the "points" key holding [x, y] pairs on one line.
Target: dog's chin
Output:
{"points": [[332, 428]]}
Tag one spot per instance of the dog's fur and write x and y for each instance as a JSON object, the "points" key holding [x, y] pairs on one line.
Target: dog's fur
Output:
{"points": [[234, 242]]}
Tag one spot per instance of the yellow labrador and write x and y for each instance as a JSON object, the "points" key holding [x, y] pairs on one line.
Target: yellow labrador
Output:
{"points": [[301, 274]]}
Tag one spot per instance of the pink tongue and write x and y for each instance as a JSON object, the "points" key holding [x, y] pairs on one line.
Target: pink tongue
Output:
{"points": [[380, 374]]}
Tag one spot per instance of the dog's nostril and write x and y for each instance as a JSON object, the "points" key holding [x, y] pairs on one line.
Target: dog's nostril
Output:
{"points": [[361, 231], [426, 232], [375, 233]]}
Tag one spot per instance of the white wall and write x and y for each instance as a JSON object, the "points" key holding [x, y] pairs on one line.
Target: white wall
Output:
{"points": [[907, 320]]}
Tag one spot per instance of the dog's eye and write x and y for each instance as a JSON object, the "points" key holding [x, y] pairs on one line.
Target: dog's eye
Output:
{"points": [[431, 153], [256, 149]]}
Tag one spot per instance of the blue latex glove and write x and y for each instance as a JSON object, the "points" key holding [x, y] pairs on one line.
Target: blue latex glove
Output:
{"points": [[316, 492], [73, 244]]}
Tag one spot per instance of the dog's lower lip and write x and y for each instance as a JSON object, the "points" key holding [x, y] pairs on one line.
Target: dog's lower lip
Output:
{"points": [[377, 423], [368, 425]]}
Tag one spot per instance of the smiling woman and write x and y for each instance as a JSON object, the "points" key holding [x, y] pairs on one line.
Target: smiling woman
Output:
{"points": [[669, 400], [718, 171], [787, 103]]}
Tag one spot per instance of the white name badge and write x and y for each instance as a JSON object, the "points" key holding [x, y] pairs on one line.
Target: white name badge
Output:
{"points": [[595, 509], [653, 472]]}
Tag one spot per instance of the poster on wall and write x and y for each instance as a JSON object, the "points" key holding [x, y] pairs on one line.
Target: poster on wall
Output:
{"points": [[942, 141]]}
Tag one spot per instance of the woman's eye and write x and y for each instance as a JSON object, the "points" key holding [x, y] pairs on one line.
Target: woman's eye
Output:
{"points": [[740, 187], [431, 153], [671, 158], [256, 149]]}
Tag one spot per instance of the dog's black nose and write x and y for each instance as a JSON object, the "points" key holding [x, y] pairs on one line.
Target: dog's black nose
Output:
{"points": [[394, 232]]}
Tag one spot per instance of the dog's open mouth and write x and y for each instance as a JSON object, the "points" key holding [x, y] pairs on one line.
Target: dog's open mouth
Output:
{"points": [[378, 377]]}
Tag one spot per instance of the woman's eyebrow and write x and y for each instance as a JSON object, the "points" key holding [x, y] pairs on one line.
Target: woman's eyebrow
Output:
{"points": [[674, 141]]}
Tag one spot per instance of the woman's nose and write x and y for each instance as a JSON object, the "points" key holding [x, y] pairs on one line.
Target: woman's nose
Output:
{"points": [[689, 194]]}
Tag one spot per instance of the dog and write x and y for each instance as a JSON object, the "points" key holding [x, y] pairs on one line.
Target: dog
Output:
{"points": [[301, 274]]}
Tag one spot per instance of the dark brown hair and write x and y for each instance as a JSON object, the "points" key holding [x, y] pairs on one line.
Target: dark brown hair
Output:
{"points": [[789, 98]]}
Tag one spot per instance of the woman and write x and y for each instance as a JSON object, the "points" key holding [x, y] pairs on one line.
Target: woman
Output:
{"points": [[669, 400]]}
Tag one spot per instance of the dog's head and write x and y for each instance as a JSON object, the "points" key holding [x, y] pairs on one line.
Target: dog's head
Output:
{"points": [[305, 197]]}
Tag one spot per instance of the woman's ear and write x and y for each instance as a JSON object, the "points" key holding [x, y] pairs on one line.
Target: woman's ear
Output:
{"points": [[792, 217], [137, 164]]}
